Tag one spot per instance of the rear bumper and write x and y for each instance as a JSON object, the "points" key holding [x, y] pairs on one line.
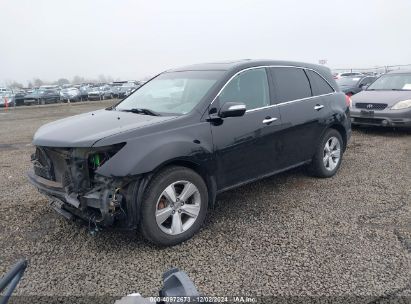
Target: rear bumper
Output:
{"points": [[385, 118]]}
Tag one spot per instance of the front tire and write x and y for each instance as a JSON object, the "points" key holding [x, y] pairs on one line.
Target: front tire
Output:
{"points": [[174, 206], [328, 156]]}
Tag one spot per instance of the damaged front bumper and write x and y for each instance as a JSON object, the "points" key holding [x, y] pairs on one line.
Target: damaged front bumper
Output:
{"points": [[101, 206], [64, 177]]}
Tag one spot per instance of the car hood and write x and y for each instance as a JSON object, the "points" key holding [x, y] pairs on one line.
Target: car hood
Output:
{"points": [[85, 129], [388, 97]]}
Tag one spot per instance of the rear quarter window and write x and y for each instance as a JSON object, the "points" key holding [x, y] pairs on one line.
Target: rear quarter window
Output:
{"points": [[318, 84]]}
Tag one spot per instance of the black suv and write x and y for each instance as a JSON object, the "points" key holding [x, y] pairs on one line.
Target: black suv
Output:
{"points": [[156, 160]]}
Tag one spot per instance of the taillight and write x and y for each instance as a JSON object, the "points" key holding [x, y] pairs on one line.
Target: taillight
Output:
{"points": [[348, 101]]}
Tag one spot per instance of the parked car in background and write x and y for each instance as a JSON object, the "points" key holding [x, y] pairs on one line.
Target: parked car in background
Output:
{"points": [[70, 94], [354, 84], [42, 96], [100, 93], [6, 94], [386, 102], [84, 90], [107, 92], [115, 87], [157, 163], [121, 89], [19, 96], [346, 74], [126, 89]]}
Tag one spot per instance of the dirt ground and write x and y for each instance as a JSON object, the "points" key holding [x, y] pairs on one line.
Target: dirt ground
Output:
{"points": [[288, 235]]}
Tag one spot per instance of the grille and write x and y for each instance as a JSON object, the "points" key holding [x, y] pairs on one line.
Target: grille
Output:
{"points": [[371, 106]]}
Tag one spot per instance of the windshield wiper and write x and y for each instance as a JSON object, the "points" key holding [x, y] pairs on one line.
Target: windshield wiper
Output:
{"points": [[142, 111]]}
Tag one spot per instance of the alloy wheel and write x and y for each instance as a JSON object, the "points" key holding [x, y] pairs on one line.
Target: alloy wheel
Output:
{"points": [[178, 207], [332, 153]]}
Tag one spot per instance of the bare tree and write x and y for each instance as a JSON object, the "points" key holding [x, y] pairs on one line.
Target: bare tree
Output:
{"points": [[13, 84], [102, 78], [62, 81], [77, 79], [37, 82]]}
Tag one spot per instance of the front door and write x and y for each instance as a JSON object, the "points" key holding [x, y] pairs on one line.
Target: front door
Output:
{"points": [[245, 147]]}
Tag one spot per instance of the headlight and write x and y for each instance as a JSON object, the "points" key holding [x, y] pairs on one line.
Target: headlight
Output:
{"points": [[402, 105]]}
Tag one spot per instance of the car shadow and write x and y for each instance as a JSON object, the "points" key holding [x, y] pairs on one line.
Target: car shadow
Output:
{"points": [[230, 206]]}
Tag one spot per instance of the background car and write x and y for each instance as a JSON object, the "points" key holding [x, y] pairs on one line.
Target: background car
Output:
{"points": [[353, 85], [19, 96], [84, 90], [100, 93], [70, 94], [346, 74], [126, 89], [42, 96], [386, 102], [116, 86]]}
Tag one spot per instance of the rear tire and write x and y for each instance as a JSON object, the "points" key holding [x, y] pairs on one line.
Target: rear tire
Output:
{"points": [[169, 219], [328, 155]]}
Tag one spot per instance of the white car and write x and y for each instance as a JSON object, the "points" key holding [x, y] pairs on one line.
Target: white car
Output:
{"points": [[347, 74]]}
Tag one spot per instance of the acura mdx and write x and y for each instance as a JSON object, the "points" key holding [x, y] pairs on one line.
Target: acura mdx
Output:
{"points": [[156, 160]]}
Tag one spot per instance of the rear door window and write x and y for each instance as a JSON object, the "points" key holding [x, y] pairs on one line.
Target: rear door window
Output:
{"points": [[291, 84], [318, 84]]}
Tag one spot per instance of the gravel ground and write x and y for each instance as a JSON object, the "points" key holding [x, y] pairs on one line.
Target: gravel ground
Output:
{"points": [[289, 235]]}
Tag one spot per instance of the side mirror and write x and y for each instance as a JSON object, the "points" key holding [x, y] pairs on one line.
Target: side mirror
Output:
{"points": [[232, 109]]}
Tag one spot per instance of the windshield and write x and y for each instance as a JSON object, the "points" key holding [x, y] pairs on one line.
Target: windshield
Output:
{"points": [[348, 81], [172, 92], [392, 82]]}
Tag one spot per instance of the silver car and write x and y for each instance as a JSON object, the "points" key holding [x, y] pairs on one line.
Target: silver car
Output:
{"points": [[386, 102]]}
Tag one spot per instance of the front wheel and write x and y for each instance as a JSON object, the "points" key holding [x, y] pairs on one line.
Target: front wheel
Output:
{"points": [[328, 156], [174, 206]]}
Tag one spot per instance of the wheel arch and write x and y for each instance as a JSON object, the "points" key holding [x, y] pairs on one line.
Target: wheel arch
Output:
{"points": [[177, 162], [200, 169], [342, 131]]}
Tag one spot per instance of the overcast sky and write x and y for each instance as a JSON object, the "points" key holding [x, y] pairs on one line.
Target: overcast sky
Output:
{"points": [[52, 39]]}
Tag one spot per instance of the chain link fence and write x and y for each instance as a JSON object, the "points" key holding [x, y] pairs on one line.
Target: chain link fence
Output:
{"points": [[375, 70]]}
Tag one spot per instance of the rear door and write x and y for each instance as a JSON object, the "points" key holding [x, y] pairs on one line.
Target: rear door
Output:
{"points": [[304, 111]]}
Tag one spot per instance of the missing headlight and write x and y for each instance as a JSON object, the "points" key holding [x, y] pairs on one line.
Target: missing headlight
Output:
{"points": [[99, 156]]}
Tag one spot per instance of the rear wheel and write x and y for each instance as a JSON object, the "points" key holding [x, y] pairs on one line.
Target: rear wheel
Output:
{"points": [[328, 156], [174, 206]]}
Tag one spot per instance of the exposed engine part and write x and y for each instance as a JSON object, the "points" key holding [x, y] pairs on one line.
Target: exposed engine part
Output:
{"points": [[70, 172]]}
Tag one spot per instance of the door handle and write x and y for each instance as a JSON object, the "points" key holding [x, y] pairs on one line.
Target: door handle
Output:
{"points": [[269, 120], [318, 107]]}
